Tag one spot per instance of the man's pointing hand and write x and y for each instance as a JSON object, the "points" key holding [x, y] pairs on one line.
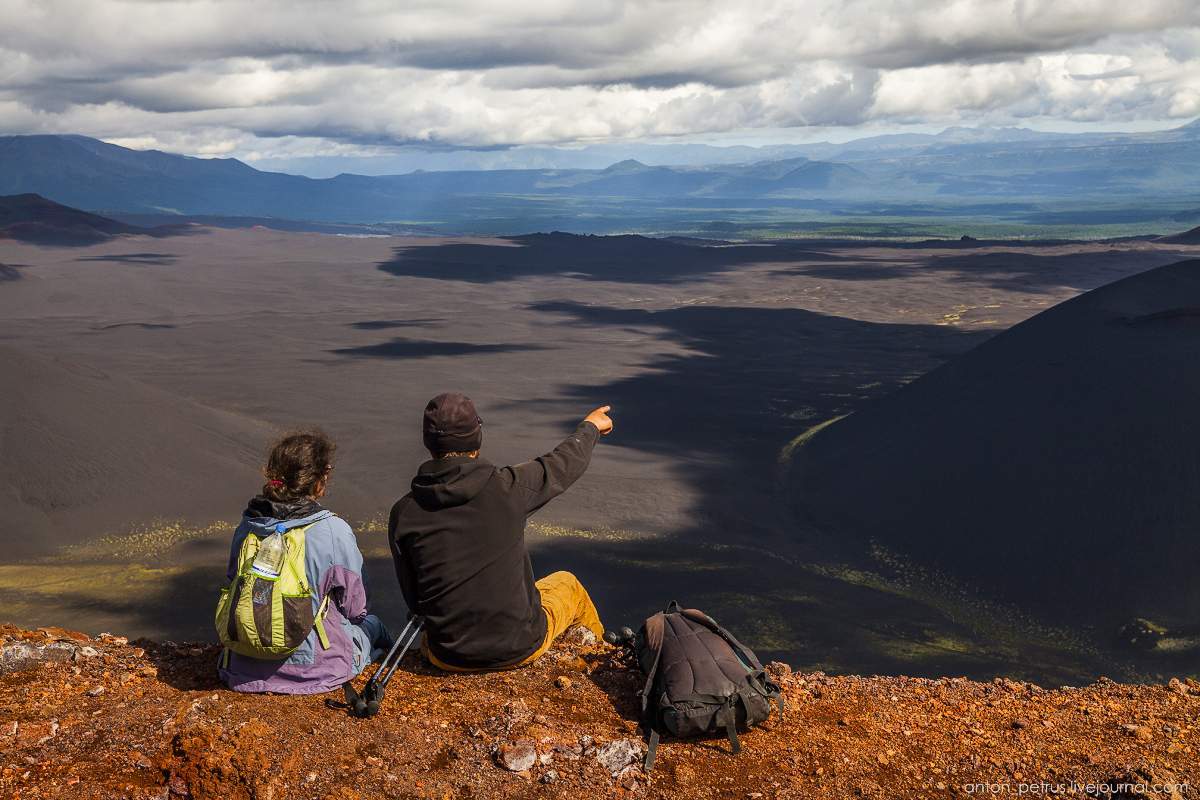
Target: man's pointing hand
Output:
{"points": [[601, 420]]}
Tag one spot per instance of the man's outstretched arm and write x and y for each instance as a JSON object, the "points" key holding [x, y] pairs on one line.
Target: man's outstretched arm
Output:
{"points": [[545, 478]]}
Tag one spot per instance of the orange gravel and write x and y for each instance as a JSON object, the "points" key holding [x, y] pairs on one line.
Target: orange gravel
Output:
{"points": [[106, 718]]}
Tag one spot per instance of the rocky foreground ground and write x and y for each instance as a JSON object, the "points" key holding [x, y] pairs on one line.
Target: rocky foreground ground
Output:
{"points": [[108, 718]]}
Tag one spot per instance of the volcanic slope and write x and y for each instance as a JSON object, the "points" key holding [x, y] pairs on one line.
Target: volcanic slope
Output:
{"points": [[85, 452], [1055, 466], [33, 218], [1187, 237]]}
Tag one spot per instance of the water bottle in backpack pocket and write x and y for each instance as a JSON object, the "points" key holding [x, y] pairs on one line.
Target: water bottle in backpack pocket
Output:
{"points": [[700, 680]]}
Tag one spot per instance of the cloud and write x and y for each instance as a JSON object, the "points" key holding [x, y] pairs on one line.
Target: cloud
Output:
{"points": [[234, 76]]}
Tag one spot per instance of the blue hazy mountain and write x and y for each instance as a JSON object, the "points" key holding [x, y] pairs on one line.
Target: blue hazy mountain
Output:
{"points": [[957, 166], [598, 156], [90, 174]]}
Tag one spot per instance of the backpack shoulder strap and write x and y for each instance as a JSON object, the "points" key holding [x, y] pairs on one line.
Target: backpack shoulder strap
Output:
{"points": [[727, 719], [655, 631], [651, 750]]}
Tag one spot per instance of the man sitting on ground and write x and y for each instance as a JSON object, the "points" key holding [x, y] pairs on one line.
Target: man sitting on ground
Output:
{"points": [[458, 540]]}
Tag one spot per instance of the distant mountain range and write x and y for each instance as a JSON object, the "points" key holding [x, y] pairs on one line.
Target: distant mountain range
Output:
{"points": [[599, 156], [959, 166], [88, 173]]}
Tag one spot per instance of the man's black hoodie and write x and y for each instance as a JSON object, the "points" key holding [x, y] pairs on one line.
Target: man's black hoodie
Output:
{"points": [[458, 541]]}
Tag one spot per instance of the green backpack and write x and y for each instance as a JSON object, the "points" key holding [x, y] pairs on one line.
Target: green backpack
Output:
{"points": [[269, 618]]}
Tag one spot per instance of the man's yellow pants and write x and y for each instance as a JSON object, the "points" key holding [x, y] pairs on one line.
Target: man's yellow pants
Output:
{"points": [[566, 604]]}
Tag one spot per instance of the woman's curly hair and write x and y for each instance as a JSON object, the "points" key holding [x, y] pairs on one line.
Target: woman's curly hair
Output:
{"points": [[298, 463]]}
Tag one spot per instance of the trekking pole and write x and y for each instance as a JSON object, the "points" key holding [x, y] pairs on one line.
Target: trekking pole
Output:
{"points": [[382, 682], [366, 703]]}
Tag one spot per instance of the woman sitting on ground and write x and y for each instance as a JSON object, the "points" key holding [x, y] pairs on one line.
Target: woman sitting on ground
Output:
{"points": [[345, 637]]}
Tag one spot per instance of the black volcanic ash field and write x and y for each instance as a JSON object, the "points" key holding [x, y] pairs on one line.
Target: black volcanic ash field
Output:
{"points": [[144, 376]]}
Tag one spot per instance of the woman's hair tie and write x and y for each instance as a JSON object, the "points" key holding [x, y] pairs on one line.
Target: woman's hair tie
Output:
{"points": [[275, 482]]}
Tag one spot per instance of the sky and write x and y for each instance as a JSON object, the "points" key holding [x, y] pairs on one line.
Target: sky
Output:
{"points": [[279, 82]]}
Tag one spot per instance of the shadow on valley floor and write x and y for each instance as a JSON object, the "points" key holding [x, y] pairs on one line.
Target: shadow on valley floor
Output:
{"points": [[1009, 270], [753, 378], [146, 326], [630, 259], [640, 259], [139, 259], [390, 324], [426, 348]]}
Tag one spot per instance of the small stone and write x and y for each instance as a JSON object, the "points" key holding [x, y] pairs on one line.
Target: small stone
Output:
{"points": [[516, 712], [517, 756], [36, 733], [95, 691], [569, 752], [753, 795], [141, 762], [310, 777], [882, 759], [59, 651], [1178, 687], [562, 682], [9, 728], [178, 786], [618, 755], [779, 671], [374, 761], [1139, 732], [86, 652], [580, 635], [587, 743], [1020, 724], [843, 721], [18, 656], [550, 776]]}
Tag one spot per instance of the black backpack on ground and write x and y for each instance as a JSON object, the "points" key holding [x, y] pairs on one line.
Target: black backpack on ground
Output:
{"points": [[700, 680]]}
